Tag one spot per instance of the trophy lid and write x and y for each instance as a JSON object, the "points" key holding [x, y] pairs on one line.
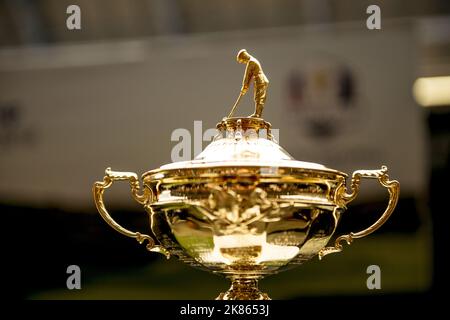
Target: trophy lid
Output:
{"points": [[245, 142]]}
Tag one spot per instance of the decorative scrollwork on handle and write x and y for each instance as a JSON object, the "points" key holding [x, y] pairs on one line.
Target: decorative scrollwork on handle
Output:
{"points": [[143, 198], [393, 187]]}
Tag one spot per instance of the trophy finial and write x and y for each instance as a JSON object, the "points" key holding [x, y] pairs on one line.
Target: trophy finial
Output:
{"points": [[253, 72]]}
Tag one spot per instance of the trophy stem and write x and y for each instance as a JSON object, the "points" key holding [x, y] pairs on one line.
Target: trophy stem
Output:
{"points": [[243, 289]]}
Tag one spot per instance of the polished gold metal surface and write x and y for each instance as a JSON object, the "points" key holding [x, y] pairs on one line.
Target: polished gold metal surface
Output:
{"points": [[253, 72], [244, 208], [393, 187], [143, 199]]}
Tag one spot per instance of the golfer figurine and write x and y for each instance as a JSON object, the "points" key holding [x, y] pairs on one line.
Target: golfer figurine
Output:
{"points": [[254, 72]]}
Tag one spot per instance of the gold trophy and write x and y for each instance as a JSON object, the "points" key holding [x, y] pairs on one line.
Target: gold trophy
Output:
{"points": [[244, 208]]}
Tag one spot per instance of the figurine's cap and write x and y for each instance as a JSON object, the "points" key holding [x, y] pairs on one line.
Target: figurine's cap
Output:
{"points": [[241, 54]]}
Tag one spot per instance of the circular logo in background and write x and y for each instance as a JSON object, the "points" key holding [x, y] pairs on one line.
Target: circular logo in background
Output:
{"points": [[322, 98]]}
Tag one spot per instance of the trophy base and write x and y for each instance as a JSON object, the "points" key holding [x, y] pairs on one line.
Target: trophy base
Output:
{"points": [[243, 289]]}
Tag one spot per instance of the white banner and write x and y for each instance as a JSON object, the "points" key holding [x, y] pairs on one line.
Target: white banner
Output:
{"points": [[341, 97]]}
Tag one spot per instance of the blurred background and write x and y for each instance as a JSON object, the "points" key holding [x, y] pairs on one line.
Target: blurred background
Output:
{"points": [[116, 93]]}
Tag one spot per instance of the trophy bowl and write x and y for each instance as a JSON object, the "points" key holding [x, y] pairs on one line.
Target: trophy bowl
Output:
{"points": [[244, 208]]}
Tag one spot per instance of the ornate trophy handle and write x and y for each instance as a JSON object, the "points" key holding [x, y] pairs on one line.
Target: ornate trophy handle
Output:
{"points": [[393, 187], [100, 187]]}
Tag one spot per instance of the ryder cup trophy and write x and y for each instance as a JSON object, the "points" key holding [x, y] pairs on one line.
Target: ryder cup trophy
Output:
{"points": [[244, 208]]}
